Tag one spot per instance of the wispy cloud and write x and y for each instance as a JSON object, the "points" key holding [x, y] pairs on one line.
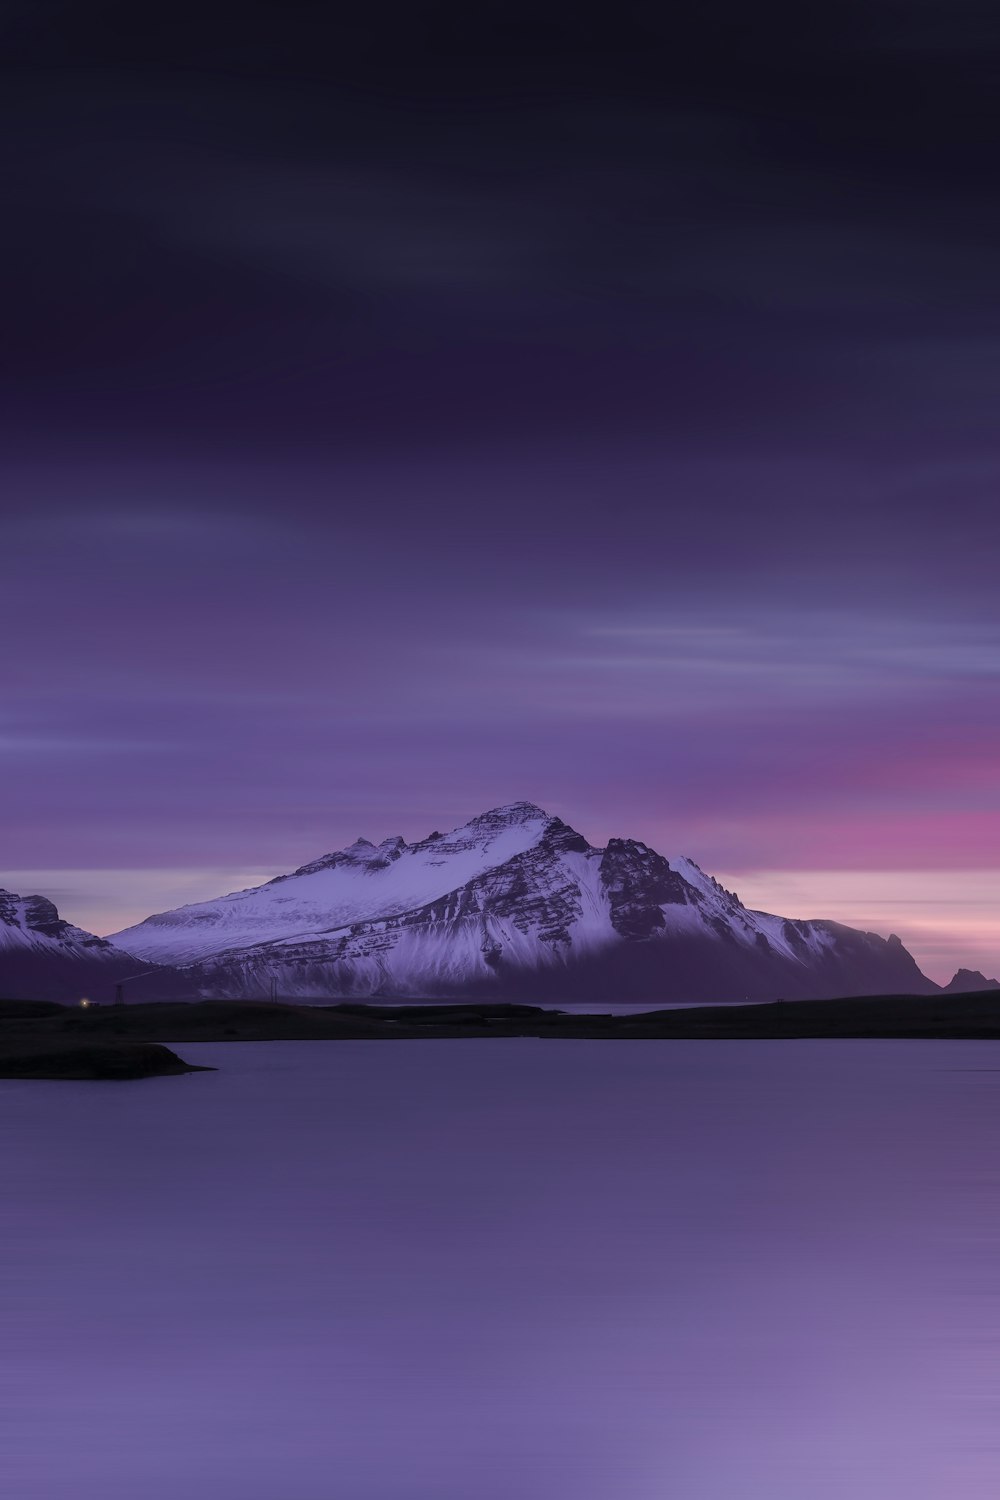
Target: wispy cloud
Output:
{"points": [[73, 744], [675, 664]]}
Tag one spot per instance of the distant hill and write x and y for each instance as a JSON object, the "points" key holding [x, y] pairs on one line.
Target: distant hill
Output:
{"points": [[968, 980]]}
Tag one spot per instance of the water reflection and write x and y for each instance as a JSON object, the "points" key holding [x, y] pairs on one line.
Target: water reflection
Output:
{"points": [[480, 1270]]}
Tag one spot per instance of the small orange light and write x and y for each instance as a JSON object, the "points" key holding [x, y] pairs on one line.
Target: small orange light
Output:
{"points": [[85, 1003]]}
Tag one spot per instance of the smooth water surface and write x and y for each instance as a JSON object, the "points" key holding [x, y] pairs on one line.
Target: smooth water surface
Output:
{"points": [[507, 1270]]}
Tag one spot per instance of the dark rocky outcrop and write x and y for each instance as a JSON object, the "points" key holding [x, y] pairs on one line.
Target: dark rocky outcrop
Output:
{"points": [[966, 981], [639, 883], [108, 1062]]}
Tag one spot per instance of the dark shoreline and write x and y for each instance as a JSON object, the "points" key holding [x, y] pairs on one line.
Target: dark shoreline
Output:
{"points": [[39, 1039]]}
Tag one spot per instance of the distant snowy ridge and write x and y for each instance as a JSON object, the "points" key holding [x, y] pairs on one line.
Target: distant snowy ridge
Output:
{"points": [[43, 957], [514, 904]]}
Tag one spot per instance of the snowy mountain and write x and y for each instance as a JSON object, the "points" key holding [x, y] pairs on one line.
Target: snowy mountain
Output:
{"points": [[360, 883], [515, 904], [44, 958]]}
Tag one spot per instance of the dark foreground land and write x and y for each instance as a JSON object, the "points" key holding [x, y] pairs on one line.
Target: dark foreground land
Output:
{"points": [[39, 1039]]}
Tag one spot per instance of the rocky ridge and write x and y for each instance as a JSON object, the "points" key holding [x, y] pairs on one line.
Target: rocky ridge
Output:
{"points": [[514, 903]]}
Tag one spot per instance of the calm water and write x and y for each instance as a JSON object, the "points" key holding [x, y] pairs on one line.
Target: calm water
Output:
{"points": [[507, 1270]]}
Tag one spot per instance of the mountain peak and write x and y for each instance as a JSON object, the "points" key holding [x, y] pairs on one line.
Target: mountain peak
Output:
{"points": [[514, 820], [33, 913], [513, 898], [967, 981], [512, 812], [365, 881]]}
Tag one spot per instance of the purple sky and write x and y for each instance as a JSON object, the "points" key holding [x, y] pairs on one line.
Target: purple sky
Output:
{"points": [[409, 414]]}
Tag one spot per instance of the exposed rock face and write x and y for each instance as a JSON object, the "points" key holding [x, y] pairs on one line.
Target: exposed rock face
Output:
{"points": [[638, 883], [967, 981], [361, 853], [518, 905], [514, 904], [37, 918]]}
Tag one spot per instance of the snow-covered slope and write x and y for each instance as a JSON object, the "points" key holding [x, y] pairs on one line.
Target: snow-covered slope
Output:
{"points": [[514, 903], [44, 958], [355, 884]]}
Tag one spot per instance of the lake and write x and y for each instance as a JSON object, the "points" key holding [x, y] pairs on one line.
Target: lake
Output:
{"points": [[507, 1270]]}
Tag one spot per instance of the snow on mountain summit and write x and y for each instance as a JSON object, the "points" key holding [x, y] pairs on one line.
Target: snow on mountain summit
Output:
{"points": [[513, 902], [358, 883]]}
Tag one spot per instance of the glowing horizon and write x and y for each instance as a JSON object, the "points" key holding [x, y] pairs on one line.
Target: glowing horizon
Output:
{"points": [[948, 919]]}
